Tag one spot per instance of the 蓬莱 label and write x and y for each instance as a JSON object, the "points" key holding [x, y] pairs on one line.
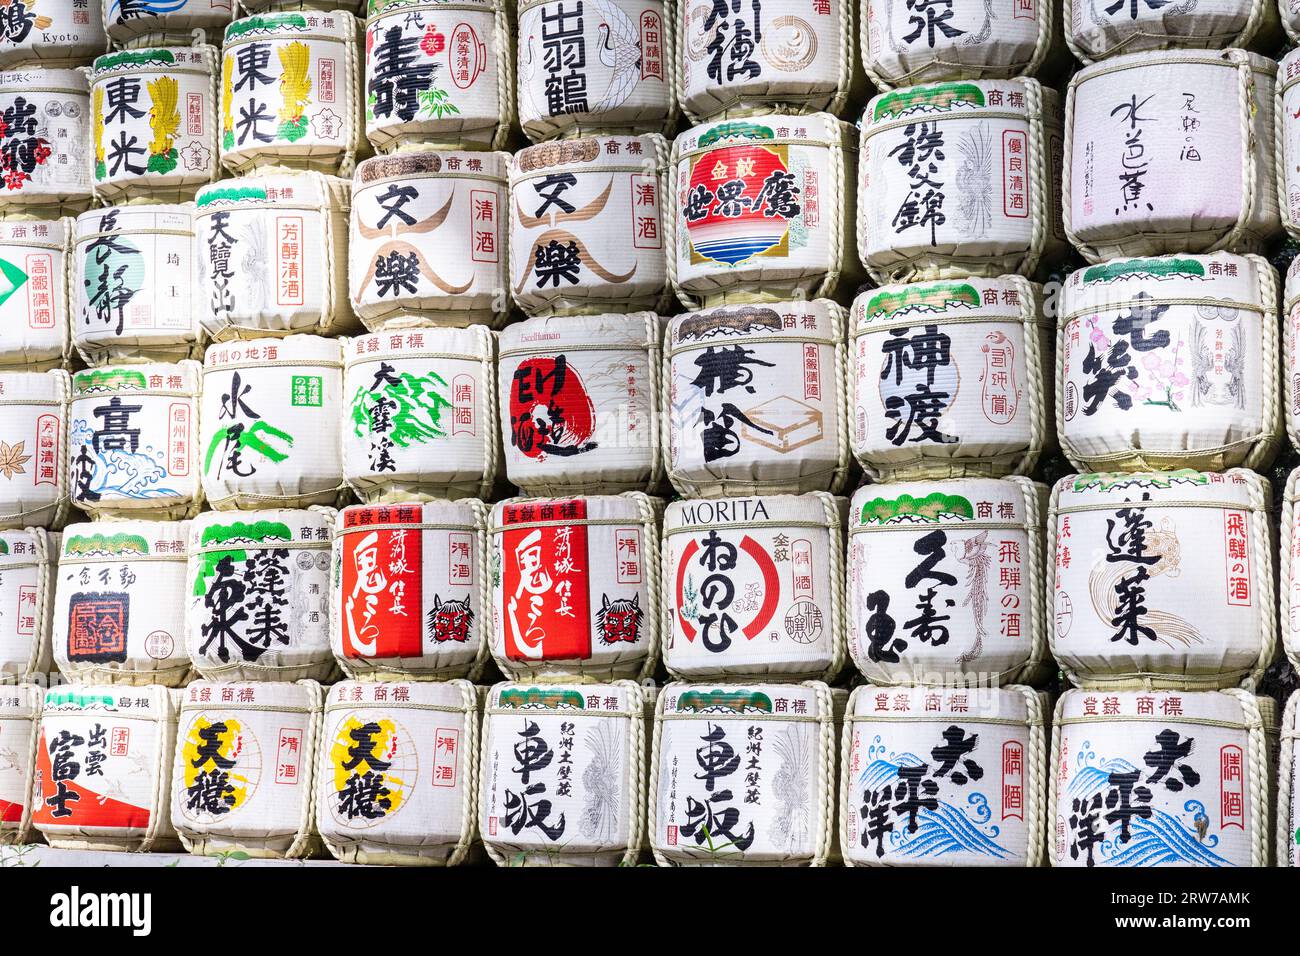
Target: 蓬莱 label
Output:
{"points": [[27, 559], [44, 140], [34, 258], [66, 33], [34, 448], [1096, 30], [20, 715], [134, 23]]}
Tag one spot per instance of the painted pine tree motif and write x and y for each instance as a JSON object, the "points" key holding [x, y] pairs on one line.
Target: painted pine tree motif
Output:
{"points": [[398, 410]]}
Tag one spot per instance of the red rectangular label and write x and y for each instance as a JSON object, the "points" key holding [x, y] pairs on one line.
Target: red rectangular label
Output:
{"points": [[381, 584], [1013, 780], [288, 755], [547, 607], [40, 291], [1015, 179], [446, 756], [1232, 787]]}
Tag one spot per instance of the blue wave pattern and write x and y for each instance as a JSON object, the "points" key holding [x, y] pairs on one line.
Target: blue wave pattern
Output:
{"points": [[124, 474]]}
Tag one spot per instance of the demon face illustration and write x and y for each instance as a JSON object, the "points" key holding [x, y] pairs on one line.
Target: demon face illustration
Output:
{"points": [[619, 620], [450, 620]]}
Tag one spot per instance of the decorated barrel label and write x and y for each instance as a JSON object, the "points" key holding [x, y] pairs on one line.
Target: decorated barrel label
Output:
{"points": [[51, 33], [243, 769], [1170, 363], [580, 403], [743, 774], [563, 774], [129, 23], [1159, 778], [573, 586], [736, 424], [755, 587], [438, 73], [26, 599], [103, 767], [943, 777], [134, 441], [270, 430], [258, 594], [394, 781], [20, 714], [1202, 181], [44, 138], [421, 413], [595, 65], [762, 209], [408, 589], [428, 239], [1133, 604], [945, 581], [33, 293], [950, 378], [272, 256], [119, 603], [33, 448], [586, 225], [1097, 29], [152, 129]]}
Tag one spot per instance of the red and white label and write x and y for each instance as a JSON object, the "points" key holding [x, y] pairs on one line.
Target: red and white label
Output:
{"points": [[645, 212], [446, 756], [381, 594], [483, 221], [288, 755], [47, 450], [194, 114], [288, 239], [1232, 787], [40, 303], [1237, 558], [325, 87], [627, 545], [178, 439], [545, 592], [1015, 189], [1013, 780]]}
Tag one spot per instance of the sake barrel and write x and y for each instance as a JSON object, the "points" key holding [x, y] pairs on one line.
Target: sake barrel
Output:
{"points": [[438, 74], [586, 225], [153, 123], [133, 449], [119, 603], [33, 454], [1289, 11], [1289, 570], [1096, 30], [1160, 778], [104, 767], [945, 582], [580, 403], [257, 592], [1288, 814], [943, 777], [763, 210], [43, 140], [242, 776], [20, 715], [1287, 131], [428, 240], [1156, 614], [410, 590], [52, 33], [736, 425], [575, 587], [395, 778], [132, 24], [1135, 187], [625, 87], [26, 602], [960, 179], [269, 426], [747, 57], [272, 256], [743, 775], [951, 378], [34, 293], [563, 774], [421, 413]]}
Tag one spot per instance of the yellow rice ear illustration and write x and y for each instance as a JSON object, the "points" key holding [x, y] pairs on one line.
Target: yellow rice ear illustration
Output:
{"points": [[227, 94], [295, 83], [97, 123], [164, 117]]}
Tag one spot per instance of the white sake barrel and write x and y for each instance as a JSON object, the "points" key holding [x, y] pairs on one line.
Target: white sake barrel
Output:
{"points": [[153, 123], [1289, 10], [131, 24], [428, 240], [1169, 363], [438, 74], [34, 257], [396, 775], [242, 776], [27, 559], [104, 767], [270, 428], [951, 378], [1287, 145], [1096, 29], [599, 68], [133, 448], [933, 776], [257, 592], [34, 454], [20, 716], [421, 413], [575, 587], [748, 57], [119, 603], [1288, 813], [763, 210], [249, 7], [960, 179], [1163, 579], [580, 403], [44, 167], [1289, 569], [66, 33], [1161, 778], [744, 775], [755, 587], [736, 426], [410, 590], [272, 256], [1170, 152], [586, 225], [946, 582], [563, 774]]}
